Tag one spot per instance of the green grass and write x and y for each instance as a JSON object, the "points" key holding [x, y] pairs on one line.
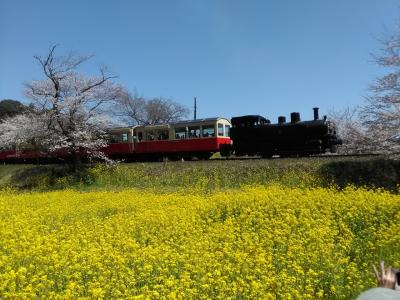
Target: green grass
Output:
{"points": [[7, 171], [209, 175]]}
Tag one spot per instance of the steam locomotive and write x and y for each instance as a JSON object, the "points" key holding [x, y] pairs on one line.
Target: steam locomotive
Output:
{"points": [[200, 139], [255, 135]]}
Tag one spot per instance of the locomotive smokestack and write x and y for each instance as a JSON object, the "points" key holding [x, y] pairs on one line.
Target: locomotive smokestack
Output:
{"points": [[316, 117], [295, 117], [281, 119]]}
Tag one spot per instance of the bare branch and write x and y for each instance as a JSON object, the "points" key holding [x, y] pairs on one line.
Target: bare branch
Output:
{"points": [[68, 101]]}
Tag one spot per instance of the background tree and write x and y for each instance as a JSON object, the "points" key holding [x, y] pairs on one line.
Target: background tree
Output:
{"points": [[137, 110], [356, 136], [9, 108], [69, 105], [374, 127], [381, 112]]}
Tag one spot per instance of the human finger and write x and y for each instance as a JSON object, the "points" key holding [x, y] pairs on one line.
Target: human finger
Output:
{"points": [[378, 277], [389, 273], [382, 267]]}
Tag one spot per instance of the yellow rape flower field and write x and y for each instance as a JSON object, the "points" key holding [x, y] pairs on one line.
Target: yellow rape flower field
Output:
{"points": [[270, 242]]}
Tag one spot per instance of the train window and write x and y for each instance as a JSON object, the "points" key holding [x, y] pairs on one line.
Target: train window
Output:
{"points": [[220, 130], [162, 135], [180, 133], [208, 130], [194, 132], [227, 130], [118, 138], [140, 136], [151, 135], [113, 139]]}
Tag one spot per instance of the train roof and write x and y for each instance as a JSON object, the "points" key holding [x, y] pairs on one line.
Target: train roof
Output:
{"points": [[248, 118], [188, 122], [182, 123]]}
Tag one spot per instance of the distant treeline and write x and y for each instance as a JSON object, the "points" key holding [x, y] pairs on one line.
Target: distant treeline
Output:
{"points": [[10, 108]]}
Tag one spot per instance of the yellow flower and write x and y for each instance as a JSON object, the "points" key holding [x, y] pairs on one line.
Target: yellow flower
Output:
{"points": [[263, 242]]}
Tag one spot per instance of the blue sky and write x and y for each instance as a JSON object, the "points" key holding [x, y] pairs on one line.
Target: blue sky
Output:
{"points": [[236, 57]]}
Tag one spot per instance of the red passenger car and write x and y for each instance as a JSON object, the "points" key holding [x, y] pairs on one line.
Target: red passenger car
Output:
{"points": [[187, 139]]}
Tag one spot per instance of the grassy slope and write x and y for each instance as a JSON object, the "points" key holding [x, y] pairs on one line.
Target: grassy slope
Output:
{"points": [[210, 175], [7, 171]]}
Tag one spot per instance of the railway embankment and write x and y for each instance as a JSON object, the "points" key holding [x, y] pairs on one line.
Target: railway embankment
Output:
{"points": [[369, 172]]}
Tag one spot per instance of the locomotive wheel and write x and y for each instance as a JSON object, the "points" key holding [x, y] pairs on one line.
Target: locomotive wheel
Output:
{"points": [[240, 153], [225, 150], [173, 157]]}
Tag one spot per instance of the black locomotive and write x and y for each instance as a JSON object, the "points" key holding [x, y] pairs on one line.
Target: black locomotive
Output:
{"points": [[255, 135]]}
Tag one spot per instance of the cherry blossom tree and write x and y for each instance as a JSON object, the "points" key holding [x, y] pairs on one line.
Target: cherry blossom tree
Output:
{"points": [[351, 130], [381, 112], [374, 126], [22, 129], [69, 108]]}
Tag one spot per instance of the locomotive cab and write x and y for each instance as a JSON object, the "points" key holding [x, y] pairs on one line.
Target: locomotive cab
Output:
{"points": [[249, 121], [245, 133]]}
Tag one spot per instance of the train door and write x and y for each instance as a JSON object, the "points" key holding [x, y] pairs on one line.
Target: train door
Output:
{"points": [[138, 137]]}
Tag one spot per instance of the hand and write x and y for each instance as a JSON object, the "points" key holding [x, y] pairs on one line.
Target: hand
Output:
{"points": [[386, 277]]}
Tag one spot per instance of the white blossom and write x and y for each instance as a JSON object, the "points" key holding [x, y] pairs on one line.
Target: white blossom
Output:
{"points": [[69, 109]]}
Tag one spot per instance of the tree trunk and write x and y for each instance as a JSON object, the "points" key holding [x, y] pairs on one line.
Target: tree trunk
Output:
{"points": [[76, 161]]}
